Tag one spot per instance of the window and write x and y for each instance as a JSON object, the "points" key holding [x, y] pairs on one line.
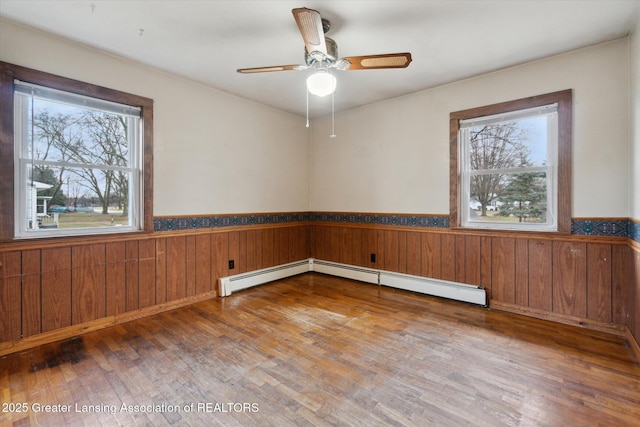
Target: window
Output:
{"points": [[80, 157], [512, 165]]}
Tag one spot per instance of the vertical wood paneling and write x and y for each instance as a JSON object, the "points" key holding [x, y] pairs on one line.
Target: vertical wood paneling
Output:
{"points": [[306, 243], [356, 247], [259, 239], [402, 252], [460, 258], [294, 244], [116, 278], [316, 242], [147, 273], [190, 278], [540, 274], [522, 272], [219, 257], [370, 246], [380, 249], [281, 245], [431, 264], [161, 271], [132, 278], [599, 282], [10, 265], [290, 243], [56, 288], [485, 265], [31, 293], [346, 241], [569, 278], [390, 250], [503, 269], [267, 248], [331, 245], [176, 268], [634, 279], [448, 257], [88, 283], [302, 243], [241, 261], [472, 253], [295, 236], [621, 277], [414, 254], [234, 251], [277, 247], [203, 263], [252, 249]]}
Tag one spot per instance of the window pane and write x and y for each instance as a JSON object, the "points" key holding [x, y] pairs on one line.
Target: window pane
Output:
{"points": [[535, 139], [76, 135], [68, 198], [512, 198], [505, 145]]}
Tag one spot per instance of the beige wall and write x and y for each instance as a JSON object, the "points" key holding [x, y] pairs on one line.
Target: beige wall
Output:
{"points": [[393, 156], [214, 152], [634, 191]]}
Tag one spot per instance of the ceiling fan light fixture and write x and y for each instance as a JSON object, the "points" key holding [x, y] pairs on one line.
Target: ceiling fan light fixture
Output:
{"points": [[321, 83]]}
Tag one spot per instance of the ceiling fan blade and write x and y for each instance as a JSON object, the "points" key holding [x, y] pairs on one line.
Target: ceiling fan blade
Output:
{"points": [[310, 25], [269, 69], [372, 62]]}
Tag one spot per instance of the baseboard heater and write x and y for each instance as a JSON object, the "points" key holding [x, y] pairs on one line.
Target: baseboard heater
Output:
{"points": [[258, 277], [440, 288], [344, 270], [424, 285]]}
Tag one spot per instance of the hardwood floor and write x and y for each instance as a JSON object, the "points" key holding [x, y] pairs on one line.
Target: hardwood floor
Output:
{"points": [[319, 350]]}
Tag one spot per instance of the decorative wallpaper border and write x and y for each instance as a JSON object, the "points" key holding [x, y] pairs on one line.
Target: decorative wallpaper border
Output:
{"points": [[220, 221], [633, 231], [609, 227], [431, 221]]}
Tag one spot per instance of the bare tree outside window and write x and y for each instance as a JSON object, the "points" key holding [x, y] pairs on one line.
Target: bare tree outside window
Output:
{"points": [[88, 138], [493, 147]]}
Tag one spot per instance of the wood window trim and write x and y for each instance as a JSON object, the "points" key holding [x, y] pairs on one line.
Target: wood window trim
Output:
{"points": [[565, 135], [9, 73]]}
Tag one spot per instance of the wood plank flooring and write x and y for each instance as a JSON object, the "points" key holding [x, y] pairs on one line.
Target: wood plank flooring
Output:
{"points": [[319, 350]]}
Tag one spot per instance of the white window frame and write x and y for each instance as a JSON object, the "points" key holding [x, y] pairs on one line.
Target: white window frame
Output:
{"points": [[22, 161], [550, 169]]}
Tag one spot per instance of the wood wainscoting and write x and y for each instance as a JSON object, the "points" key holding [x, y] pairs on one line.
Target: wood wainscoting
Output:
{"points": [[632, 295], [581, 280], [54, 289], [58, 288]]}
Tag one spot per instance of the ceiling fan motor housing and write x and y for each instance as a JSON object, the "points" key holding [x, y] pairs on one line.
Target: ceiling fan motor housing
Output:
{"points": [[331, 56]]}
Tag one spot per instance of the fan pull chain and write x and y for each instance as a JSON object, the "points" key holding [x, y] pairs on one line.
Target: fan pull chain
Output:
{"points": [[307, 107], [333, 115]]}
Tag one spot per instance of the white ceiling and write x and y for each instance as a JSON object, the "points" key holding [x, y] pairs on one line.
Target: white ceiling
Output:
{"points": [[207, 40]]}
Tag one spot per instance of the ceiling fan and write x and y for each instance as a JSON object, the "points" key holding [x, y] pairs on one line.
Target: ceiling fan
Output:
{"points": [[321, 54]]}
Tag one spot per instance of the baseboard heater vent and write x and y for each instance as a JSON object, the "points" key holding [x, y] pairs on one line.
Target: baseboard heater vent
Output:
{"points": [[258, 277], [440, 288], [345, 271]]}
